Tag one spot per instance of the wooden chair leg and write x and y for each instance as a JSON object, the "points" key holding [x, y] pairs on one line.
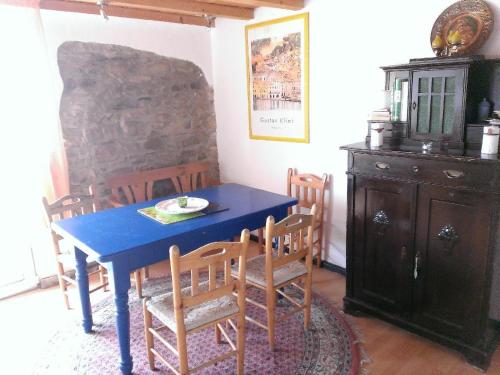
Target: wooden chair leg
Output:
{"points": [[218, 337], [271, 304], [320, 246], [307, 299], [138, 283], [62, 285], [146, 272], [317, 248], [102, 278], [149, 336], [182, 349], [240, 344], [261, 240]]}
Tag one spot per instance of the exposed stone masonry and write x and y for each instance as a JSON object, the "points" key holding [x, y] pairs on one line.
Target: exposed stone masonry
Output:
{"points": [[125, 110]]}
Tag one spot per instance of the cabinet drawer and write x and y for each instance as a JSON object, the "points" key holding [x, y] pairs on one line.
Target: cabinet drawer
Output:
{"points": [[448, 173], [457, 174], [383, 166]]}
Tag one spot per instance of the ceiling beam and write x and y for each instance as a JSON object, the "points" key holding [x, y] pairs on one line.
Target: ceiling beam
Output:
{"points": [[115, 11], [188, 7], [284, 4]]}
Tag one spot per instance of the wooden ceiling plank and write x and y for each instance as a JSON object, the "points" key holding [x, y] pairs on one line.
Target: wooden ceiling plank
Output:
{"points": [[115, 11], [188, 7], [283, 4]]}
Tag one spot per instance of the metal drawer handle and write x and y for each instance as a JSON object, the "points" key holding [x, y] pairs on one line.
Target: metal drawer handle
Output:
{"points": [[451, 173], [382, 166], [416, 269]]}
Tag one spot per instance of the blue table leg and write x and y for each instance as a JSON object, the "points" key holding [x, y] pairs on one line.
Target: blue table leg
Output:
{"points": [[82, 279], [119, 275]]}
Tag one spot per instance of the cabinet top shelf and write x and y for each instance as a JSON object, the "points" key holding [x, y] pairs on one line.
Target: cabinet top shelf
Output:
{"points": [[436, 62], [412, 151]]}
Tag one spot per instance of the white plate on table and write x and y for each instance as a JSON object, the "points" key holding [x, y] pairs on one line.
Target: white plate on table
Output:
{"points": [[171, 206]]}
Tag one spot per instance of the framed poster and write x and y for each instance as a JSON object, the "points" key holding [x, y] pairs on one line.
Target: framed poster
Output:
{"points": [[277, 54]]}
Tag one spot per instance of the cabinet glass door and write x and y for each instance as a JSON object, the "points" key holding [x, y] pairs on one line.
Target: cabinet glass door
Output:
{"points": [[437, 104]]}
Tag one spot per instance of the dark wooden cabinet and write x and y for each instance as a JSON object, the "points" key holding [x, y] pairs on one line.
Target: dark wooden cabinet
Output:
{"points": [[423, 248]]}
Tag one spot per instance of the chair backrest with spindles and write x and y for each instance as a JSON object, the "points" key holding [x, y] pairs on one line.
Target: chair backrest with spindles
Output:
{"points": [[69, 206], [138, 186], [309, 189], [190, 177], [293, 237], [209, 257]]}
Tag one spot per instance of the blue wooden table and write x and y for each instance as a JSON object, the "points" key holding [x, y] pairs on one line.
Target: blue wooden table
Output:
{"points": [[123, 240]]}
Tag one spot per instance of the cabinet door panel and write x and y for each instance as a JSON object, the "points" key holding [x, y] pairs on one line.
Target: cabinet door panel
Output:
{"points": [[437, 107], [382, 243], [452, 247]]}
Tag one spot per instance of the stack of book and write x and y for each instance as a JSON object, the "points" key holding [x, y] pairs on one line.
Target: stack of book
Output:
{"points": [[380, 115]]}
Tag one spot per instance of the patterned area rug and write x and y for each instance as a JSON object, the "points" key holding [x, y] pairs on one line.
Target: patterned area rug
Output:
{"points": [[329, 346]]}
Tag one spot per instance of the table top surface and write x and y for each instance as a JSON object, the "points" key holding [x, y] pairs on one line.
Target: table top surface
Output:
{"points": [[110, 232]]}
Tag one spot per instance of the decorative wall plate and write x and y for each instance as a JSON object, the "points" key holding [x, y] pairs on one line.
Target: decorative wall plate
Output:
{"points": [[462, 28]]}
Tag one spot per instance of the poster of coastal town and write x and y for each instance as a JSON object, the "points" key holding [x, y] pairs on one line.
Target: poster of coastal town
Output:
{"points": [[277, 74]]}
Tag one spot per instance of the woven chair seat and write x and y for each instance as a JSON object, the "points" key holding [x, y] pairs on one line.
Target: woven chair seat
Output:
{"points": [[162, 306], [256, 271]]}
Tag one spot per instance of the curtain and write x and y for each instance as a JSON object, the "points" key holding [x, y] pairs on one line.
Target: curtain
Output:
{"points": [[32, 161]]}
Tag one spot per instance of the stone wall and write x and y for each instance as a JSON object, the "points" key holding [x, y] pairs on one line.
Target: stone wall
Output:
{"points": [[125, 110]]}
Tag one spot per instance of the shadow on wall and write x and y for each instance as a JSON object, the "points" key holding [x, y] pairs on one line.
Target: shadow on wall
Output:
{"points": [[328, 214], [335, 220], [124, 110]]}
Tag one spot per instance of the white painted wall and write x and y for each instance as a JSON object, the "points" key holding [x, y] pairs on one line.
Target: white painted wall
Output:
{"points": [[348, 43]]}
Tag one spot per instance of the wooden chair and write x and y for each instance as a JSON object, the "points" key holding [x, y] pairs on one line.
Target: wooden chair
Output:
{"points": [[201, 305], [68, 206], [308, 189], [138, 186], [278, 268]]}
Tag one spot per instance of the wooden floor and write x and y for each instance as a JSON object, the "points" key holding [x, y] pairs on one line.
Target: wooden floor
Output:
{"points": [[393, 351], [28, 321]]}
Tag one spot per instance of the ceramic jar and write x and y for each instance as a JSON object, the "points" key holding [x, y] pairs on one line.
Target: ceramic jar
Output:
{"points": [[377, 134], [490, 140]]}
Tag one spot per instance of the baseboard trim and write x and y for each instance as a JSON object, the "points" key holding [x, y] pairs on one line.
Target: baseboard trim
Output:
{"points": [[50, 281], [19, 287], [333, 267]]}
